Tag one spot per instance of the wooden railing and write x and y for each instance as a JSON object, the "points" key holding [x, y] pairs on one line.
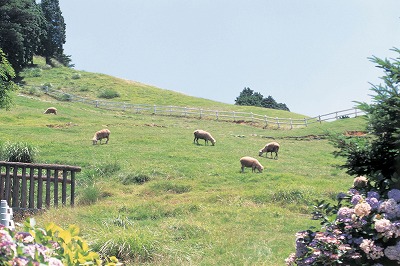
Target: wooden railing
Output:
{"points": [[180, 111], [27, 186]]}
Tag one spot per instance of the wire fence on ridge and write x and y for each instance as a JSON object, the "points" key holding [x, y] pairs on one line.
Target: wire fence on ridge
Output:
{"points": [[180, 111]]}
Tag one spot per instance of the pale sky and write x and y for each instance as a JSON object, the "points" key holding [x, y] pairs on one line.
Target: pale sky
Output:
{"points": [[311, 55]]}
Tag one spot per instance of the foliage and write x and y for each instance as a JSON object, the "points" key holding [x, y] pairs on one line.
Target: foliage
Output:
{"points": [[18, 152], [250, 98], [108, 94], [134, 179], [49, 246], [6, 84], [366, 228], [52, 44], [21, 29]]}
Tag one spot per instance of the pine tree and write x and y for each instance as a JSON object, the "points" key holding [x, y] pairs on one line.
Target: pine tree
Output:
{"points": [[52, 44]]}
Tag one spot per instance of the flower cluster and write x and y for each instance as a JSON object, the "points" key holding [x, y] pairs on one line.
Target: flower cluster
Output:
{"points": [[49, 246], [20, 248], [366, 231]]}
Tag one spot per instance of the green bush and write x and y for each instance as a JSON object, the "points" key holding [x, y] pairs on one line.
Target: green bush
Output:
{"points": [[107, 170], [18, 152], [134, 179], [89, 195], [108, 94]]}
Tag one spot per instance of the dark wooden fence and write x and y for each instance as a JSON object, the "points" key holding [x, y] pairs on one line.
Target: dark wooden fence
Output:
{"points": [[29, 186]]}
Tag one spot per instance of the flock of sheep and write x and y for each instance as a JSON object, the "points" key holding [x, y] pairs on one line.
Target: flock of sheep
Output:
{"points": [[246, 161]]}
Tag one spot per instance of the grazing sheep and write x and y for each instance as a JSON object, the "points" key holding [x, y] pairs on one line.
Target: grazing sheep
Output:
{"points": [[251, 162], [101, 134], [51, 110], [201, 134], [360, 182], [270, 147]]}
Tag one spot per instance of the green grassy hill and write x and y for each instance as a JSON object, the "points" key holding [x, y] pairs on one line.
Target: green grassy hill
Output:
{"points": [[153, 197]]}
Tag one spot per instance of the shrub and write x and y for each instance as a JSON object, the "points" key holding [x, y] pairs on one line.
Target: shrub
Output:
{"points": [[108, 94], [107, 170], [18, 152], [76, 76], [134, 179], [89, 195], [364, 227], [49, 246]]}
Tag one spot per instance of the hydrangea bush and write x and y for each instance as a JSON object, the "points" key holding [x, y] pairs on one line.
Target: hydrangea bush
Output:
{"points": [[49, 246], [364, 227]]}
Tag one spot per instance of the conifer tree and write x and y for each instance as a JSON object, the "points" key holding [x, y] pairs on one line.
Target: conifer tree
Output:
{"points": [[52, 44]]}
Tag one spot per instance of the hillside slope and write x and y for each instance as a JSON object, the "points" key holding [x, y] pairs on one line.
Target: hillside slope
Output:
{"points": [[194, 206], [92, 85]]}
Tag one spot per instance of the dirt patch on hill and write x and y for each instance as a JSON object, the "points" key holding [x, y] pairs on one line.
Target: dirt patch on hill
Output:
{"points": [[67, 125], [355, 133]]}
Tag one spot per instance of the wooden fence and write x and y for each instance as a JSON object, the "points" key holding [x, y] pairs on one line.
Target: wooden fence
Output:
{"points": [[180, 111], [26, 186]]}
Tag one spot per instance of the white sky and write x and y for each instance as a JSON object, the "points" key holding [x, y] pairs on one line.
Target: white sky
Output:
{"points": [[311, 55]]}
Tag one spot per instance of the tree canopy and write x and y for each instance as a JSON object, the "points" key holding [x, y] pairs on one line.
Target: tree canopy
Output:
{"points": [[250, 98], [28, 28], [7, 73]]}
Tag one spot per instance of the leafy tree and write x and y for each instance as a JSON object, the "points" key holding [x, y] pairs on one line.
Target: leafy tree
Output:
{"points": [[6, 84], [21, 29], [250, 98], [378, 157], [365, 229], [52, 44]]}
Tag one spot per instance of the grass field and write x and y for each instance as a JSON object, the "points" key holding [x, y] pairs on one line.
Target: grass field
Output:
{"points": [[153, 197]]}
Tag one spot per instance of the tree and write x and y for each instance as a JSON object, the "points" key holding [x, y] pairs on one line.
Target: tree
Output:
{"points": [[250, 98], [52, 44], [366, 227], [7, 73], [21, 29], [379, 157]]}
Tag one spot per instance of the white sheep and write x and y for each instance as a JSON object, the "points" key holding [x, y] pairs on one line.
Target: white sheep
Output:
{"points": [[270, 147], [360, 182], [50, 110], [201, 134], [101, 134], [248, 161]]}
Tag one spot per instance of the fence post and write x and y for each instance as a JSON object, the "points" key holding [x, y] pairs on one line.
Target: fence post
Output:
{"points": [[155, 109], [355, 112], [97, 104], [216, 115], [277, 121], [234, 118], [336, 117], [291, 123], [266, 120], [201, 113], [319, 119], [252, 117], [305, 122]]}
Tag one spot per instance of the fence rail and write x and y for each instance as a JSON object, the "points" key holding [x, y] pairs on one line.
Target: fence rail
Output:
{"points": [[205, 113], [26, 185]]}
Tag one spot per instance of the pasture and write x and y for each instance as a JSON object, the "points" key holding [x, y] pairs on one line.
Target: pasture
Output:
{"points": [[153, 197]]}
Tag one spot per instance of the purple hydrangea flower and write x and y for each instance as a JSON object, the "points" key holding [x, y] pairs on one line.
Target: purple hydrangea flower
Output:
{"points": [[394, 194]]}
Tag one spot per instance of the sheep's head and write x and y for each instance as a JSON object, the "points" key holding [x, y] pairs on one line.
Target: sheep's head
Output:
{"points": [[260, 152], [260, 168], [94, 141], [213, 141]]}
